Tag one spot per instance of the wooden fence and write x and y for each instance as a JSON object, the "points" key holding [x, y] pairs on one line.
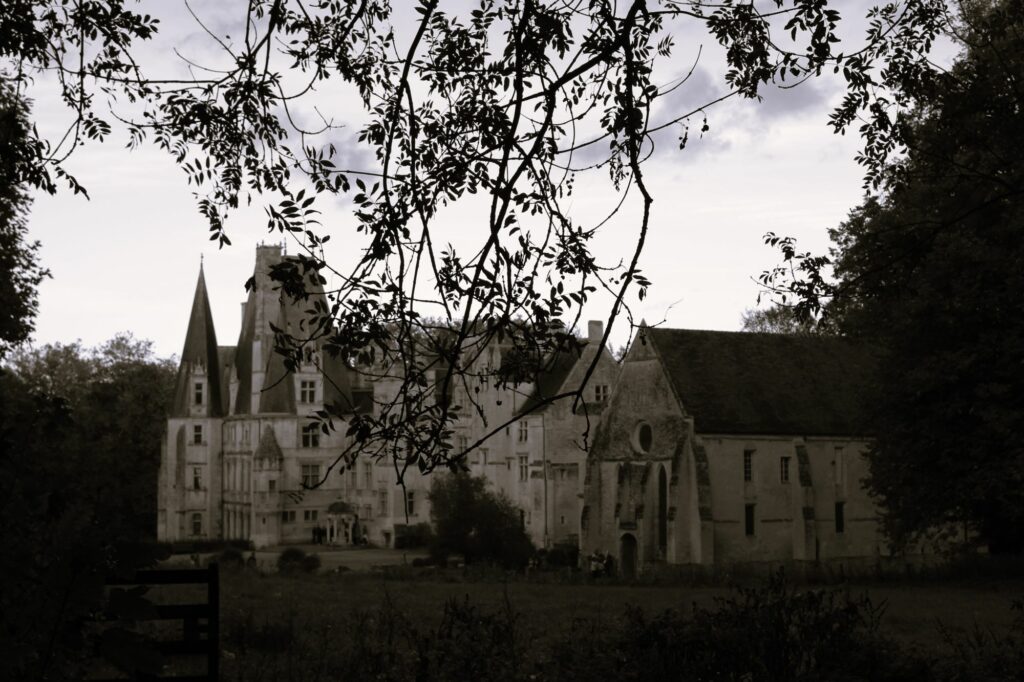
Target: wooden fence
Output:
{"points": [[191, 643]]}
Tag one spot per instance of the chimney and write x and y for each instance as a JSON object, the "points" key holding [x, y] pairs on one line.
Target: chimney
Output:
{"points": [[595, 331]]}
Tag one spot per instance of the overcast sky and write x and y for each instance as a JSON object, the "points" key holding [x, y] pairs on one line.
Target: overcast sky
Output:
{"points": [[127, 259]]}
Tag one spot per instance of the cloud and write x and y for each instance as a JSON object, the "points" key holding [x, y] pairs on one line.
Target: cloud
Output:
{"points": [[779, 103], [690, 93]]}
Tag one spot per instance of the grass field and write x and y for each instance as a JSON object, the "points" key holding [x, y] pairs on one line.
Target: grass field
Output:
{"points": [[915, 612], [445, 626]]}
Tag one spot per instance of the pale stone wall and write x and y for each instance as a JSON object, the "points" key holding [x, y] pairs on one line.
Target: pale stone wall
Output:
{"points": [[783, 530], [185, 462], [622, 473], [567, 437], [794, 516], [541, 474]]}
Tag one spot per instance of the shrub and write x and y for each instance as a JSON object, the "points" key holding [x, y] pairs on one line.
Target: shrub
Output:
{"points": [[563, 555], [471, 521], [291, 560], [311, 563], [772, 632], [413, 536]]}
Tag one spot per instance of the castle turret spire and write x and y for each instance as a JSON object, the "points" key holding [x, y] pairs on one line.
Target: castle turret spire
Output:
{"points": [[197, 390]]}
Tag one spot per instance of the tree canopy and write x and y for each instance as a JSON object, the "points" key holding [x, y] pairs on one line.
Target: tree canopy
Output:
{"points": [[777, 319], [502, 105], [80, 433], [20, 271], [472, 522]]}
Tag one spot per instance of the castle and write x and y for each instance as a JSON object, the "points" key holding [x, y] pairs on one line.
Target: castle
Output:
{"points": [[704, 447], [241, 452]]}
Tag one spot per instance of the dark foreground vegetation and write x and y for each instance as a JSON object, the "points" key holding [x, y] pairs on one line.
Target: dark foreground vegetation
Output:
{"points": [[360, 628]]}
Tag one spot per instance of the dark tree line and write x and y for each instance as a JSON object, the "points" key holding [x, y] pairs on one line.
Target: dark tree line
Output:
{"points": [[930, 269], [80, 434]]}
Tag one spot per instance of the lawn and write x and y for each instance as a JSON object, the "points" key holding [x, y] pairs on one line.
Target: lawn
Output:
{"points": [[915, 612]]}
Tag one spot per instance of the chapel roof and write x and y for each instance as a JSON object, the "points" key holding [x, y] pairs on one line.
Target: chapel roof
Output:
{"points": [[759, 383], [552, 375]]}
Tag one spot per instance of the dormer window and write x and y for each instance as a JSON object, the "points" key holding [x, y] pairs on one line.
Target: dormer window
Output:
{"points": [[307, 391], [197, 393]]}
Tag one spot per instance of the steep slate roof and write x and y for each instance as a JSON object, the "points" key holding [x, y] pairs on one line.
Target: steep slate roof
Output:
{"points": [[226, 358], [278, 395], [243, 356], [200, 349], [552, 376], [747, 383]]}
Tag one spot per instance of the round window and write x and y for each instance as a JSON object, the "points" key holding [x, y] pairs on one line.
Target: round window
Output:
{"points": [[642, 438]]}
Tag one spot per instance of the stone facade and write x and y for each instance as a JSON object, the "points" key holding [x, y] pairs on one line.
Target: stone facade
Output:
{"points": [[724, 448], [239, 447]]}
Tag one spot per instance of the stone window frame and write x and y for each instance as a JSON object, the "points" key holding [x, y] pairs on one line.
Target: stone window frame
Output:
{"points": [[643, 437], [307, 391], [310, 473], [310, 436], [524, 431]]}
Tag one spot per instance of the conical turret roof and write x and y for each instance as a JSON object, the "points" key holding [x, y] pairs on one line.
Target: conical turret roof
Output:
{"points": [[199, 355]]}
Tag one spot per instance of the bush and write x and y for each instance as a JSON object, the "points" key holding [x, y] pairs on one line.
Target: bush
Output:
{"points": [[311, 563], [471, 521], [772, 632], [291, 560], [413, 536], [561, 555]]}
